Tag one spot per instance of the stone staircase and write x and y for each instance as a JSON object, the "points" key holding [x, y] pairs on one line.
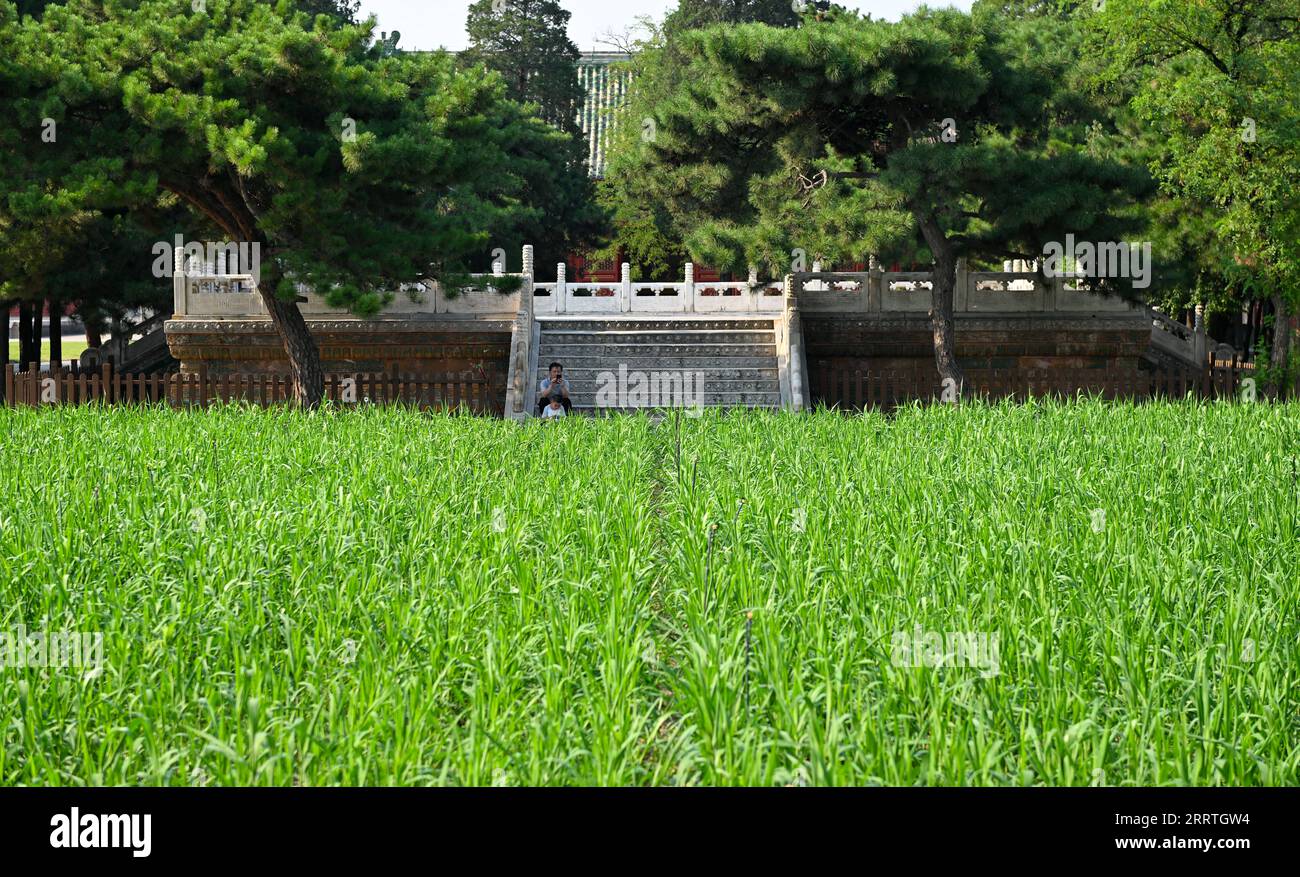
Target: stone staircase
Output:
{"points": [[631, 363], [135, 348]]}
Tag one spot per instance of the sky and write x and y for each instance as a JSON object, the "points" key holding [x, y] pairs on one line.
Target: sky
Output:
{"points": [[430, 24]]}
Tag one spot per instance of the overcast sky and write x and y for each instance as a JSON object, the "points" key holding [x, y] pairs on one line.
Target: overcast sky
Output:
{"points": [[429, 24]]}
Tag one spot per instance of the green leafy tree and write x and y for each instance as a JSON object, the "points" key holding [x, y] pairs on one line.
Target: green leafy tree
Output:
{"points": [[1218, 79], [526, 42], [353, 172], [693, 14], [938, 137], [1191, 264]]}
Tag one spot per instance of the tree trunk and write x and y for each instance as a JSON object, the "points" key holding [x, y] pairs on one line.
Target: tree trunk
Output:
{"points": [[941, 304], [1279, 360], [38, 330], [25, 355], [299, 345], [56, 334]]}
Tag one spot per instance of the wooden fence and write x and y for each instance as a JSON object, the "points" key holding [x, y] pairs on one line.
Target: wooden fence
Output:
{"points": [[107, 387], [840, 386]]}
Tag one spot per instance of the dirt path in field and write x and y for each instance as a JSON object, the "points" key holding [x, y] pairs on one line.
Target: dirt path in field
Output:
{"points": [[665, 466]]}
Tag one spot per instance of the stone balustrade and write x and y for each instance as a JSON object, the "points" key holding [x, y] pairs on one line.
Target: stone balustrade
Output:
{"points": [[626, 296], [976, 292], [1191, 345], [205, 292]]}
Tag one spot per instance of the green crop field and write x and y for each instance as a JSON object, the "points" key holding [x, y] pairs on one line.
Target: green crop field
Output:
{"points": [[384, 597]]}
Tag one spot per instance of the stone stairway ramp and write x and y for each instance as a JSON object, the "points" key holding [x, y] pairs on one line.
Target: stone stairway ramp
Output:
{"points": [[630, 363]]}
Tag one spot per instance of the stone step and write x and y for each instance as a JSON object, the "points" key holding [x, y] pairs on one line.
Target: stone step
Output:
{"points": [[650, 325], [661, 412], [616, 353], [641, 362], [711, 400], [659, 337], [587, 375], [735, 358], [588, 390]]}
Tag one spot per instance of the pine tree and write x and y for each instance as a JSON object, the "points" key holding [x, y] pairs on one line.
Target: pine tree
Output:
{"points": [[344, 10], [643, 230], [354, 172]]}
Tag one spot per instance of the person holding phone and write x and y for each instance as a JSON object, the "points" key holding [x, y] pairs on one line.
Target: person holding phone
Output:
{"points": [[555, 386]]}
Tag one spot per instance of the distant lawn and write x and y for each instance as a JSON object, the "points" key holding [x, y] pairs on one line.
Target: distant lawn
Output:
{"points": [[71, 350]]}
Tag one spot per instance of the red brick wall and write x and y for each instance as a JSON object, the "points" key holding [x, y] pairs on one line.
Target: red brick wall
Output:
{"points": [[835, 343], [238, 347]]}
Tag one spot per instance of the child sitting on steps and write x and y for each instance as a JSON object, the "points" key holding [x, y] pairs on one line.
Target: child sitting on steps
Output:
{"points": [[554, 409]]}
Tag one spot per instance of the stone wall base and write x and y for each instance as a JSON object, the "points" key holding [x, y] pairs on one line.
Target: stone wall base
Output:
{"points": [[416, 349], [1021, 342]]}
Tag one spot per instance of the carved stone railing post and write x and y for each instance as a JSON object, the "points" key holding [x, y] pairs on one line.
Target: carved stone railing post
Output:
{"points": [[688, 292], [792, 347], [528, 260], [178, 282], [521, 354], [961, 289], [625, 289], [875, 285], [561, 287], [1200, 345], [1055, 291]]}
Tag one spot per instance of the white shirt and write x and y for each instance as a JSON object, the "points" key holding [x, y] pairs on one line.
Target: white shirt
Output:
{"points": [[548, 411]]}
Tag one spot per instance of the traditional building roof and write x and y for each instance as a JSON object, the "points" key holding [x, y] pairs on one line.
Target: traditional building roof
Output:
{"points": [[606, 86]]}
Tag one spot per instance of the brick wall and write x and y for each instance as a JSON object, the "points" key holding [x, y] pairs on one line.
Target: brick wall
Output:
{"points": [[420, 350], [836, 342]]}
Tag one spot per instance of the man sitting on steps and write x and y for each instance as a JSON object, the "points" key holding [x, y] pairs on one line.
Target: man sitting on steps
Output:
{"points": [[554, 386]]}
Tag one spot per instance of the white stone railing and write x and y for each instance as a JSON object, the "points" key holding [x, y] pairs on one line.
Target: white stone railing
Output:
{"points": [[523, 352], [626, 296], [1172, 337], [206, 292], [976, 292], [210, 293]]}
